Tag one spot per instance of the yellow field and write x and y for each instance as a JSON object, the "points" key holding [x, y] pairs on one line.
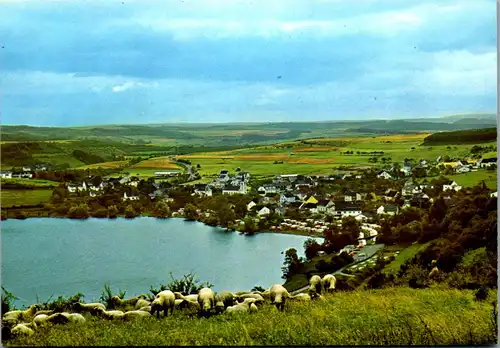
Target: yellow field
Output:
{"points": [[157, 163]]}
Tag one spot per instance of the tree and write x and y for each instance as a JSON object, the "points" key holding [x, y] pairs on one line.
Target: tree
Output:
{"points": [[161, 210], [311, 247], [351, 227], [190, 212], [96, 180], [225, 215], [292, 263]]}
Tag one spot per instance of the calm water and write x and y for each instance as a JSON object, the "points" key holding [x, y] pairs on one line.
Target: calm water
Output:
{"points": [[47, 257]]}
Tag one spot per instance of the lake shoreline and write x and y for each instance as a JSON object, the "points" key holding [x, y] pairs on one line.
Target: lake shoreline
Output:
{"points": [[228, 229]]}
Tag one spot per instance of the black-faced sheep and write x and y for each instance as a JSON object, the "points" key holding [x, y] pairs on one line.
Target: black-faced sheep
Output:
{"points": [[315, 284], [164, 300], [206, 299], [223, 300], [279, 295], [328, 282]]}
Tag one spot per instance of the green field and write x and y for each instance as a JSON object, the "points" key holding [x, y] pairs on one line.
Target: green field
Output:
{"points": [[322, 156], [29, 182], [473, 178], [393, 316], [24, 197], [404, 255]]}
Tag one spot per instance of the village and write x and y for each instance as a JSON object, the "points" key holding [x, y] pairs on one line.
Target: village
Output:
{"points": [[287, 203]]}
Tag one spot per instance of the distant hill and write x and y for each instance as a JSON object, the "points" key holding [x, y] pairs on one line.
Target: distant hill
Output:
{"points": [[462, 137], [243, 134]]}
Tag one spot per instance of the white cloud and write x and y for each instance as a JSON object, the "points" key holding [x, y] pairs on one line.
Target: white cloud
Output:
{"points": [[131, 84]]}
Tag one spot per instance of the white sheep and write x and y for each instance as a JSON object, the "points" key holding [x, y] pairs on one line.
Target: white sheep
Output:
{"points": [[142, 303], [88, 307], [40, 320], [75, 318], [191, 298], [266, 294], [145, 309], [117, 301], [58, 318], [315, 284], [246, 306], [110, 315], [223, 300], [13, 317], [279, 295], [22, 329], [328, 282], [303, 297], [164, 300], [258, 297], [206, 299], [135, 314]]}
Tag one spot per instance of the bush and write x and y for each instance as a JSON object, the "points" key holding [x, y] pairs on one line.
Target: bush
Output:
{"points": [[130, 212], [62, 304], [80, 211], [161, 210], [187, 285], [7, 301], [107, 294], [100, 213], [21, 215], [112, 211], [481, 294]]}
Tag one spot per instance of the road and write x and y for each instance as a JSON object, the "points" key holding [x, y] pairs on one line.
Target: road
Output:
{"points": [[369, 250]]}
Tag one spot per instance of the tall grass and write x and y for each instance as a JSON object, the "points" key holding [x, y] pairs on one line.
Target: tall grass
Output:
{"points": [[394, 316]]}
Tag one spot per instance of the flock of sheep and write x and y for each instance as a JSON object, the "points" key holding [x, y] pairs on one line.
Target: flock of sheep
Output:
{"points": [[206, 301]]}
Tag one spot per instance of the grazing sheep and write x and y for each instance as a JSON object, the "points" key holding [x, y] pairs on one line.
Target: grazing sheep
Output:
{"points": [[266, 294], [328, 282], [181, 304], [22, 329], [75, 318], [206, 299], [88, 307], [258, 297], [58, 318], [164, 300], [117, 301], [315, 284], [110, 315], [142, 303], [253, 308], [45, 311], [135, 314], [13, 317], [40, 319], [145, 309], [278, 296], [244, 307], [303, 297], [223, 300], [434, 272]]}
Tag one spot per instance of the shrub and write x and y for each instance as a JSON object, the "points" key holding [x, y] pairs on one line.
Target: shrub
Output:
{"points": [[112, 211], [107, 294], [130, 212], [100, 213], [188, 284], [80, 211], [161, 210], [481, 294], [62, 304], [7, 301], [21, 215]]}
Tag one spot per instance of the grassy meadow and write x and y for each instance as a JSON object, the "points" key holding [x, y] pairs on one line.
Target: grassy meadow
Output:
{"points": [[404, 255], [10, 198], [393, 316], [472, 178]]}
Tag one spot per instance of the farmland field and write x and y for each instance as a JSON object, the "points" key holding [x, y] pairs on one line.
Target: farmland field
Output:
{"points": [[160, 163], [24, 197], [322, 156], [473, 178], [105, 165]]}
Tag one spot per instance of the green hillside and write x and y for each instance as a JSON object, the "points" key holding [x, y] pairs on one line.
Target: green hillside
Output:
{"points": [[394, 316]]}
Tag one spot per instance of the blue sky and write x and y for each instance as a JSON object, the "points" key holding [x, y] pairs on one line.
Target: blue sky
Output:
{"points": [[101, 62]]}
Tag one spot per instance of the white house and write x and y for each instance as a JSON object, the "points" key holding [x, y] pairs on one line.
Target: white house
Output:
{"points": [[129, 198], [388, 209], [325, 206], [287, 198], [384, 175], [267, 189], [251, 205], [27, 169], [6, 175], [235, 189], [486, 162], [203, 190], [264, 211], [72, 189], [493, 194], [452, 186], [462, 169]]}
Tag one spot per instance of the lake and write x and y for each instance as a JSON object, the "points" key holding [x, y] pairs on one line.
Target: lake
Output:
{"points": [[47, 256]]}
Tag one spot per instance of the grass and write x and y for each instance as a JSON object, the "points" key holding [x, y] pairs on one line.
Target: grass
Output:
{"points": [[105, 165], [321, 156], [10, 198], [159, 163], [404, 255], [473, 178], [30, 182], [140, 172], [394, 316]]}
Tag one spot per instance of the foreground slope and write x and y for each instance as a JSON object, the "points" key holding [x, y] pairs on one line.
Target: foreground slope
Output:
{"points": [[394, 316]]}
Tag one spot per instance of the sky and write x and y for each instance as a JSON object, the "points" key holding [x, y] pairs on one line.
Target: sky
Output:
{"points": [[69, 63]]}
